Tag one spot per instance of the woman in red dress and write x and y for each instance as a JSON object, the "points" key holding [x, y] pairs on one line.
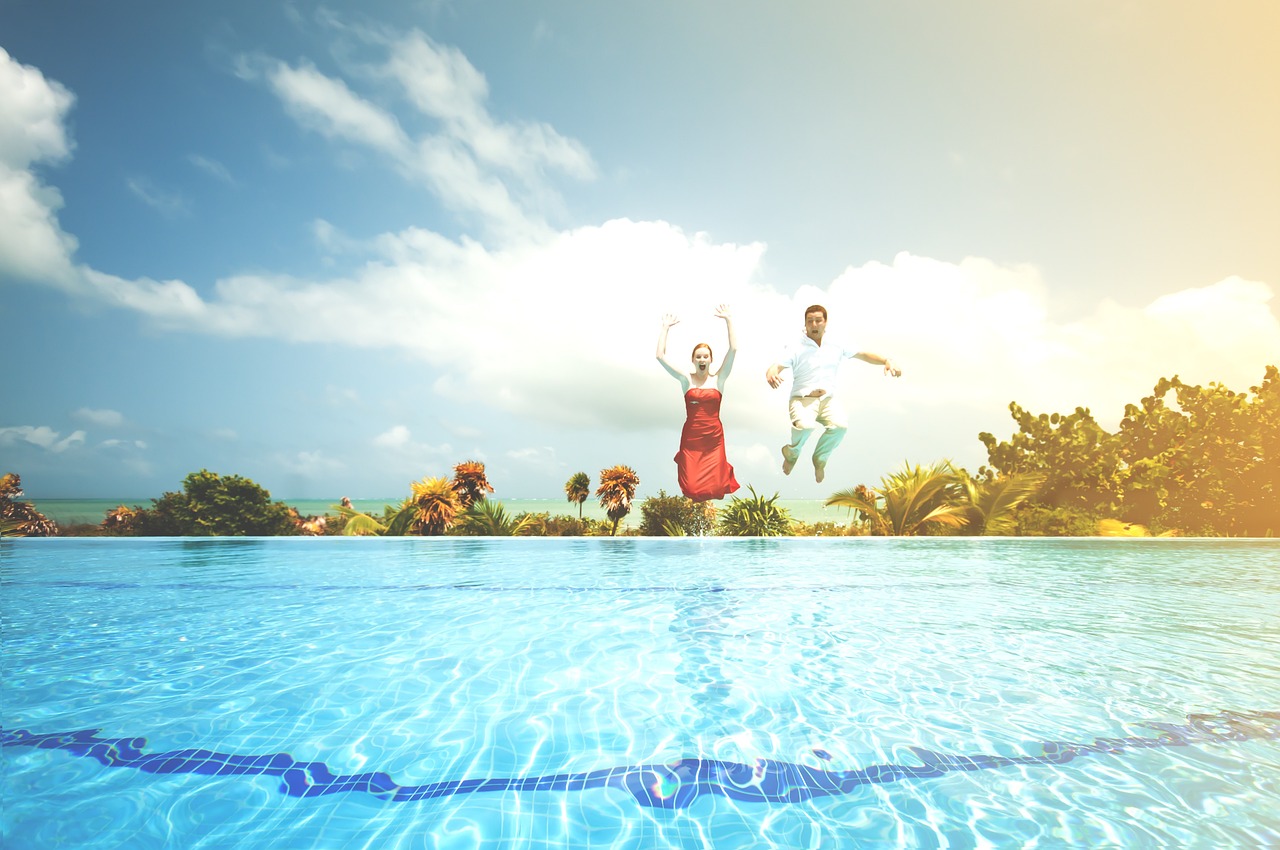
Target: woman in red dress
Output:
{"points": [[703, 471]]}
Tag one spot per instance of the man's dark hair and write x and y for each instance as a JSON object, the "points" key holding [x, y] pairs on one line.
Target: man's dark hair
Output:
{"points": [[816, 308]]}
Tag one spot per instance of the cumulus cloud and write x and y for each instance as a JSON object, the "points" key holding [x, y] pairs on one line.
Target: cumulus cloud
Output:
{"points": [[42, 436], [494, 171], [523, 319], [32, 113], [399, 440], [976, 334]]}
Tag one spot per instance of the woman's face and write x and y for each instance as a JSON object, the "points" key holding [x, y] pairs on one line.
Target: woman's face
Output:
{"points": [[702, 359]]}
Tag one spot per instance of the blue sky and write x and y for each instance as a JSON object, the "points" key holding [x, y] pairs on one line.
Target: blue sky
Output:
{"points": [[337, 247]]}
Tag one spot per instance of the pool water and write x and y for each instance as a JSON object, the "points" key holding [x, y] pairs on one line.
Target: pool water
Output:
{"points": [[640, 693]]}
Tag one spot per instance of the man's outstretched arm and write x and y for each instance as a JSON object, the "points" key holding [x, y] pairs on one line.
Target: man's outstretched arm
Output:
{"points": [[879, 360]]}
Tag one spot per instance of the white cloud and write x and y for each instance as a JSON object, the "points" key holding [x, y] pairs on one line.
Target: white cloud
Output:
{"points": [[475, 164], [105, 418], [396, 437], [42, 436], [332, 109], [560, 327], [32, 111], [31, 128], [124, 444], [399, 441]]}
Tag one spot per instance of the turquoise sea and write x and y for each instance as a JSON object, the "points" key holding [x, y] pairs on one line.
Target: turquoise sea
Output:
{"points": [[78, 511]]}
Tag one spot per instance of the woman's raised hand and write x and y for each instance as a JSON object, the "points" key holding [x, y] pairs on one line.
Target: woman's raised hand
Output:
{"points": [[669, 319], [723, 312]]}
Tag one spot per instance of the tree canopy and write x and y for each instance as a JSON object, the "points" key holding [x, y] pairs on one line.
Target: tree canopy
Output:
{"points": [[1199, 460]]}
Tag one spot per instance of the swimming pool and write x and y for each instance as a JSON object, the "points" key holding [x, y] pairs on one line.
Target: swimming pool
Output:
{"points": [[640, 693]]}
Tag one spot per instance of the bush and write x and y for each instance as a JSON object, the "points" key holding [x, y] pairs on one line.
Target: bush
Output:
{"points": [[211, 505], [668, 516], [826, 528], [755, 517], [1041, 521]]}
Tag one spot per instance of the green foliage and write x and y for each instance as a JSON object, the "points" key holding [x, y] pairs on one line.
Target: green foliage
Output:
{"points": [[1206, 462], [991, 505], [913, 501], [1078, 462], [485, 518], [211, 504], [754, 517], [562, 525], [357, 524], [826, 528], [676, 516], [21, 519], [1033, 520]]}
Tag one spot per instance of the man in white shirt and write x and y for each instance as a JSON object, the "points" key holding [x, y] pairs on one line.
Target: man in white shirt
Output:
{"points": [[814, 366]]}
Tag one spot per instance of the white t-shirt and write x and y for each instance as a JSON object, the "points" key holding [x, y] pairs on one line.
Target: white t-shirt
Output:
{"points": [[813, 366]]}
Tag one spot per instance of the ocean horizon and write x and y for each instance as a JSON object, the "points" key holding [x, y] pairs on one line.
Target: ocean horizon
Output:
{"points": [[92, 511]]}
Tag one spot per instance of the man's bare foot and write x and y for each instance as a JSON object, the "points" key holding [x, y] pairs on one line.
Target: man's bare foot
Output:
{"points": [[788, 463], [819, 472]]}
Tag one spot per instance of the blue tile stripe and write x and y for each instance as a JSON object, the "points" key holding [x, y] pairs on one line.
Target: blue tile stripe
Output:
{"points": [[659, 786]]}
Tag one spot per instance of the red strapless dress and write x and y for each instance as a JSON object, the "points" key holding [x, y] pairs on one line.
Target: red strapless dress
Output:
{"points": [[703, 470]]}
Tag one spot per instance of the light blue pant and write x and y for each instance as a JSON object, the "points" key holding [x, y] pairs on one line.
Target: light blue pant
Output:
{"points": [[807, 414]]}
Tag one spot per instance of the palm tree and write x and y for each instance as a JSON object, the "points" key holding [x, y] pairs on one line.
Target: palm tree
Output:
{"points": [[908, 501], [361, 524], [470, 483], [616, 491], [431, 509], [578, 489], [489, 519], [754, 517], [992, 503]]}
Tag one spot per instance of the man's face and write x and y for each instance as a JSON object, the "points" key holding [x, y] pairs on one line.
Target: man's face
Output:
{"points": [[815, 325]]}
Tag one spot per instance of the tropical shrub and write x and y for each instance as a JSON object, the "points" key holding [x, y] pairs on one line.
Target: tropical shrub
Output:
{"points": [[562, 525], [990, 506], [120, 521], [431, 509], [676, 516], [1032, 520], [916, 500], [485, 518], [754, 517], [1201, 460], [1078, 461], [215, 505], [21, 519]]}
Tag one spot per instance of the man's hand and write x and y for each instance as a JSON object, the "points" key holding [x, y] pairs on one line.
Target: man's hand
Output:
{"points": [[891, 370], [774, 376]]}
